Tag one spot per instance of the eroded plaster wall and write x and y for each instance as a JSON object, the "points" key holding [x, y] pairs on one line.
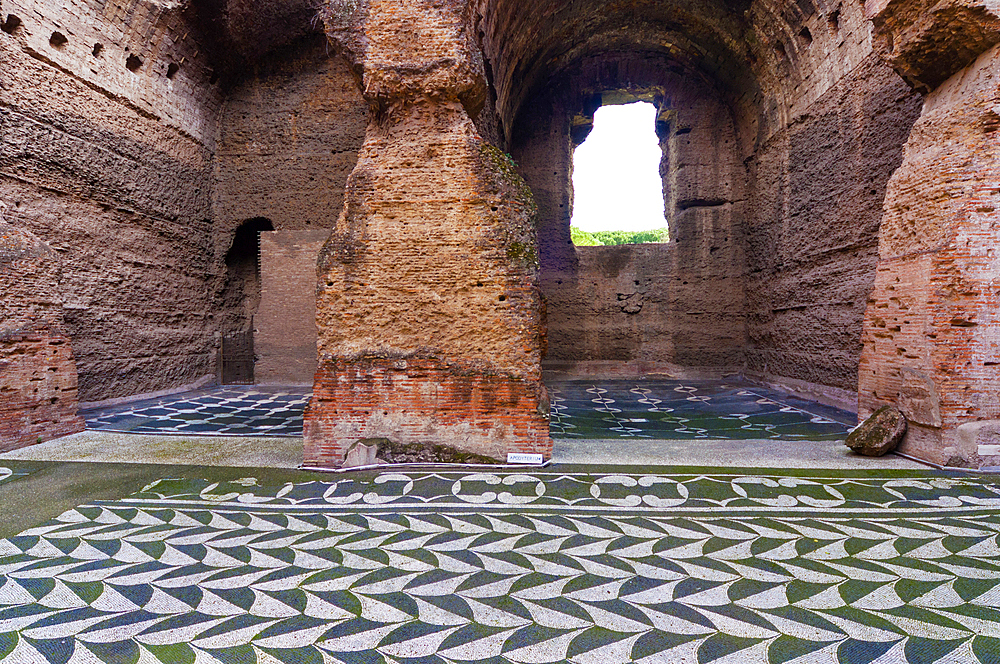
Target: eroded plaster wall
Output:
{"points": [[815, 205], [675, 303], [107, 126], [289, 136], [813, 123]]}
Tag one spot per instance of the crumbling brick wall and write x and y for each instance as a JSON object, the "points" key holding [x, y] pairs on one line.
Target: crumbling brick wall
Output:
{"points": [[105, 155], [38, 390]]}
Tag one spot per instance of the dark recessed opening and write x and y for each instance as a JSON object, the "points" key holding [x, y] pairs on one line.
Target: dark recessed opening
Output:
{"points": [[133, 62], [805, 36], [833, 20], [98, 47], [58, 39], [779, 48], [172, 69], [11, 24], [213, 79]]}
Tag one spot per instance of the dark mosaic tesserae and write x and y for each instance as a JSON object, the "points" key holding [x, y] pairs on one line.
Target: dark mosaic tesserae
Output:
{"points": [[678, 565]]}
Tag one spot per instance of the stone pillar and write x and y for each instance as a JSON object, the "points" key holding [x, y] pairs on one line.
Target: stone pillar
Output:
{"points": [[38, 399], [428, 311], [932, 327]]}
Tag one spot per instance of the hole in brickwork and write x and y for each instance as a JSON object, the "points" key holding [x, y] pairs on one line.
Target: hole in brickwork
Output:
{"points": [[58, 40], [133, 62], [213, 79], [805, 36], [833, 20], [172, 70], [779, 49], [98, 47], [11, 24], [990, 122]]}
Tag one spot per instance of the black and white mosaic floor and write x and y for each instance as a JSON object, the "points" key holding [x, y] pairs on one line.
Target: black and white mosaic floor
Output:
{"points": [[529, 567], [669, 409], [233, 410], [609, 409]]}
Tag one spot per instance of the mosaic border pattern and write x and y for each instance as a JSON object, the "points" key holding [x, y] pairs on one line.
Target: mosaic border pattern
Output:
{"points": [[356, 571]]}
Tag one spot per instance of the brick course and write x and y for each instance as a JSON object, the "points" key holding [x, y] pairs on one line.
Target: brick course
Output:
{"points": [[38, 398]]}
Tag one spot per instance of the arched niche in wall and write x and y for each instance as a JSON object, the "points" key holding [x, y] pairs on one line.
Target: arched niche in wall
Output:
{"points": [[240, 299]]}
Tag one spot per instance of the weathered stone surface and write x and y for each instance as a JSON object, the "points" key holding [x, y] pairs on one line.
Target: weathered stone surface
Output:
{"points": [[383, 450], [930, 335], [112, 169], [879, 434], [429, 315], [139, 142], [285, 322], [38, 383], [927, 41]]}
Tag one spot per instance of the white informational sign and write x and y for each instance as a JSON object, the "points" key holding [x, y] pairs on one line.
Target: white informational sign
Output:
{"points": [[517, 457]]}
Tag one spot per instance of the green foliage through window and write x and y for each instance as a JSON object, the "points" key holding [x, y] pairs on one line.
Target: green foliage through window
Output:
{"points": [[607, 238]]}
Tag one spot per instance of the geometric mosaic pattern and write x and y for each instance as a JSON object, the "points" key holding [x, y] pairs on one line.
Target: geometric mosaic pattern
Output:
{"points": [[580, 409], [668, 409], [224, 410], [515, 567]]}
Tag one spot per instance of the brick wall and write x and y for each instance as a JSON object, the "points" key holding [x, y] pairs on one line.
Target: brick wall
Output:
{"points": [[285, 324], [289, 136], [111, 167], [38, 388]]}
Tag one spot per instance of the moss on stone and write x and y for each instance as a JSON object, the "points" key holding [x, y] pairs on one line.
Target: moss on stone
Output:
{"points": [[392, 452]]}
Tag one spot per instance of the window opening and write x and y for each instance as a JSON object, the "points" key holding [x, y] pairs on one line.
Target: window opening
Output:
{"points": [[617, 190]]}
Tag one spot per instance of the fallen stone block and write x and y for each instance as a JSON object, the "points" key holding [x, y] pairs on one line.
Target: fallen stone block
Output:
{"points": [[879, 434]]}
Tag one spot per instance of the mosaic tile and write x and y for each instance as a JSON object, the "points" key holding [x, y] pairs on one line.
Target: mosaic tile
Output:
{"points": [[611, 409], [682, 410], [225, 410], [518, 567], [7, 474]]}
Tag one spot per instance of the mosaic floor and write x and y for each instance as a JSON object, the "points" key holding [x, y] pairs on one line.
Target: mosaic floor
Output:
{"points": [[534, 567], [235, 410], [681, 410], [609, 409], [7, 474]]}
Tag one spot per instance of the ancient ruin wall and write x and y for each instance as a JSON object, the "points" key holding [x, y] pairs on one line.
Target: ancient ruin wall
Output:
{"points": [[930, 340], [107, 118], [428, 311], [827, 133], [818, 128], [815, 203], [289, 136], [38, 387], [285, 324], [674, 303]]}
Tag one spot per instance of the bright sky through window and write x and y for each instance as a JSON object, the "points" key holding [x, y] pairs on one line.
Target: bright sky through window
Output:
{"points": [[616, 172]]}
